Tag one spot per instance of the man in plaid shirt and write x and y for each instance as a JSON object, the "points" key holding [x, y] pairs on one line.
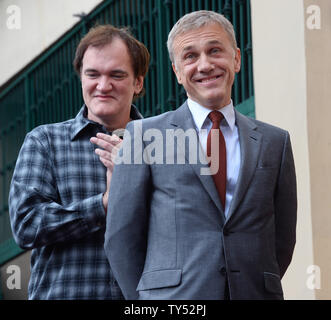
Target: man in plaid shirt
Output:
{"points": [[59, 191]]}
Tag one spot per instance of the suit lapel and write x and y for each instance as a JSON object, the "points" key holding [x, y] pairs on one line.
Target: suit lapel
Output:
{"points": [[250, 144], [183, 119]]}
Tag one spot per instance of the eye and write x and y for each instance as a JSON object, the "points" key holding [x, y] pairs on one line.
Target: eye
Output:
{"points": [[119, 75], [215, 50], [189, 56], [91, 75]]}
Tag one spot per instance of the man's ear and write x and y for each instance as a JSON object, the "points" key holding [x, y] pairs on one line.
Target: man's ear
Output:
{"points": [[80, 72], [237, 59], [139, 83], [176, 73]]}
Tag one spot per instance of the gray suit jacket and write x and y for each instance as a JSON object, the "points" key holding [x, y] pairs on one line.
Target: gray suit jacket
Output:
{"points": [[167, 236]]}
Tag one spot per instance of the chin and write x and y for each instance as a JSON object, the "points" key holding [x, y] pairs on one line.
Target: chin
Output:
{"points": [[213, 103], [104, 107], [219, 101], [103, 112]]}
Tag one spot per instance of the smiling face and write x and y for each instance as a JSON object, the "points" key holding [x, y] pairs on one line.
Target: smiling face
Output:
{"points": [[206, 64], [109, 84]]}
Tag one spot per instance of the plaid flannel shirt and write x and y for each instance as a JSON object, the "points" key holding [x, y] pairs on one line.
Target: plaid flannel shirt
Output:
{"points": [[56, 209]]}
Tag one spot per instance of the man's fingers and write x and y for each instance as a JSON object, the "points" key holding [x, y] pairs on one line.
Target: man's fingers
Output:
{"points": [[107, 163], [107, 158], [107, 154], [102, 143], [110, 146], [107, 137], [113, 139], [106, 142]]}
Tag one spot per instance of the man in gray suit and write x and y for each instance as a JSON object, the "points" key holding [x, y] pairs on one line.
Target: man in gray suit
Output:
{"points": [[175, 232]]}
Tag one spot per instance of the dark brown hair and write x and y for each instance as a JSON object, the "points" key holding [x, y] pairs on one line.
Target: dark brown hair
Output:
{"points": [[102, 35]]}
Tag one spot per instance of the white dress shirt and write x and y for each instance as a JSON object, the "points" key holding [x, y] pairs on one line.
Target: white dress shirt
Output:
{"points": [[231, 137]]}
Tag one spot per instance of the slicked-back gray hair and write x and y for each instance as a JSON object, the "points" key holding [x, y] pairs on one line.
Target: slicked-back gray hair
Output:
{"points": [[196, 20]]}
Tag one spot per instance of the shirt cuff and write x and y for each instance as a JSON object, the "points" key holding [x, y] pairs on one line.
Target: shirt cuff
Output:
{"points": [[94, 212]]}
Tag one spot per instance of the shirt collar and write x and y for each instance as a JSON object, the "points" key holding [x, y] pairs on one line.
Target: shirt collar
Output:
{"points": [[81, 122], [200, 113]]}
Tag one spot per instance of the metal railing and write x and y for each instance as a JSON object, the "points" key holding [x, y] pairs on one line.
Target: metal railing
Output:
{"points": [[48, 90]]}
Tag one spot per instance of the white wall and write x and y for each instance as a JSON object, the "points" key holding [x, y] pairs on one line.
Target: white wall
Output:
{"points": [[281, 99], [41, 23]]}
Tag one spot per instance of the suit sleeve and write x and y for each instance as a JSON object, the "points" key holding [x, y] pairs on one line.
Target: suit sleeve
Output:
{"points": [[286, 208], [127, 217]]}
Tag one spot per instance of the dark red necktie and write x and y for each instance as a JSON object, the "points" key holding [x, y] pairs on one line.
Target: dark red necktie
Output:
{"points": [[220, 176]]}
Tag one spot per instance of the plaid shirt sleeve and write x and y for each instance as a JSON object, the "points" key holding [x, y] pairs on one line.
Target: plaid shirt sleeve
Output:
{"points": [[38, 218]]}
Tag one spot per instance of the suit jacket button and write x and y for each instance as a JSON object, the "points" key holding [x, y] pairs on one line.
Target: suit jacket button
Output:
{"points": [[226, 231], [223, 271]]}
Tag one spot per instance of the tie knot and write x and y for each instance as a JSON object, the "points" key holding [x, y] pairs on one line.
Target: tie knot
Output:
{"points": [[216, 117]]}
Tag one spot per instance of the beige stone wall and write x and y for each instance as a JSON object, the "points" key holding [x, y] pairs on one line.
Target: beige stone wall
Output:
{"points": [[278, 33], [292, 74], [318, 57]]}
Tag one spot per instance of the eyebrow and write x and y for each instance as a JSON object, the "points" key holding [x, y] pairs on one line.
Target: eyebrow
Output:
{"points": [[116, 71], [211, 42], [90, 70], [215, 42], [119, 71]]}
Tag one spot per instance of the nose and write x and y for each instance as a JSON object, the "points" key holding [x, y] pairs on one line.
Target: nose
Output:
{"points": [[104, 84], [204, 64]]}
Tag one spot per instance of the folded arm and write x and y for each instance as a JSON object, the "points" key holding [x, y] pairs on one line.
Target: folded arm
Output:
{"points": [[38, 218]]}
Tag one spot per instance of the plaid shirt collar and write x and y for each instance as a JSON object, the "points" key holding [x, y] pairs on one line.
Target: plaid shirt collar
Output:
{"points": [[81, 122]]}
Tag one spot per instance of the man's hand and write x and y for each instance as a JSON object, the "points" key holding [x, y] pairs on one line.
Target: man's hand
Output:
{"points": [[110, 146]]}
